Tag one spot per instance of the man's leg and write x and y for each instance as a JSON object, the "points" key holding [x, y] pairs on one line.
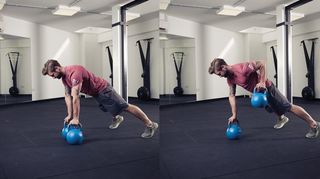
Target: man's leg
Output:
{"points": [[314, 125], [151, 127]]}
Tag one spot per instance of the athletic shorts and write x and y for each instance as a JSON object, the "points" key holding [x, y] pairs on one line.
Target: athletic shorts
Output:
{"points": [[110, 101], [277, 101]]}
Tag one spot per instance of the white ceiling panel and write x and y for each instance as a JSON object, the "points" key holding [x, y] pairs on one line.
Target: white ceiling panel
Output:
{"points": [[39, 11], [204, 11]]}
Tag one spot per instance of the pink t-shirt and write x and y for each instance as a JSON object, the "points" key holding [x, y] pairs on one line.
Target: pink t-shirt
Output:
{"points": [[246, 76], [76, 74]]}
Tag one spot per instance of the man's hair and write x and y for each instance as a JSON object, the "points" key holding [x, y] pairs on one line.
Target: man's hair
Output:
{"points": [[216, 64], [50, 66]]}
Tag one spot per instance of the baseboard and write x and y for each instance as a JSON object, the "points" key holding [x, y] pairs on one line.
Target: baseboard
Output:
{"points": [[200, 102], [136, 98], [165, 95], [301, 98]]}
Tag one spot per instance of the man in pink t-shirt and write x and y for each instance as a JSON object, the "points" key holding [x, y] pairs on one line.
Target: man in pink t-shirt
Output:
{"points": [[77, 79], [250, 75]]}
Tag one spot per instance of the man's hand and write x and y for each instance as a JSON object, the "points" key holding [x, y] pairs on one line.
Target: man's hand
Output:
{"points": [[232, 119], [261, 86], [67, 119], [74, 121]]}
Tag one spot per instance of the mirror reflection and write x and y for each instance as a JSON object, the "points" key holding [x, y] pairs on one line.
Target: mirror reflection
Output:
{"points": [[178, 69], [15, 80]]}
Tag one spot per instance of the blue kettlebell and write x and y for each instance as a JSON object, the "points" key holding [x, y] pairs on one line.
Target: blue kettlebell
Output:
{"points": [[259, 99], [74, 135], [233, 131], [64, 131]]}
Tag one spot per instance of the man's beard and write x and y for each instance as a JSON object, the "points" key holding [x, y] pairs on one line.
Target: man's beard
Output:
{"points": [[59, 76], [227, 74]]}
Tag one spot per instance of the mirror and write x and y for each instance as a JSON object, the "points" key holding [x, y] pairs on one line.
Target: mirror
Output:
{"points": [[15, 65], [178, 69]]}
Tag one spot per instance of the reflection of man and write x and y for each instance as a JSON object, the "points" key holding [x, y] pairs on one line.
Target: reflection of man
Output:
{"points": [[246, 75], [77, 79]]}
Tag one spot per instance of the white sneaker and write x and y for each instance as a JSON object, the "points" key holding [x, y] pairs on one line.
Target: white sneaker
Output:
{"points": [[149, 131], [313, 132], [281, 122], [116, 121]]}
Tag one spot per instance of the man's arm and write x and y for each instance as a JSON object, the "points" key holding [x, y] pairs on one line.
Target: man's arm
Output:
{"points": [[260, 66], [75, 92], [67, 98], [232, 101]]}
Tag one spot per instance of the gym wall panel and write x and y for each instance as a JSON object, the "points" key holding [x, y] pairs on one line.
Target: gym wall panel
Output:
{"points": [[300, 32], [135, 67], [136, 31]]}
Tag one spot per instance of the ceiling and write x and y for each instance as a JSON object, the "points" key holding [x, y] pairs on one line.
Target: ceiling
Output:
{"points": [[39, 11], [204, 11]]}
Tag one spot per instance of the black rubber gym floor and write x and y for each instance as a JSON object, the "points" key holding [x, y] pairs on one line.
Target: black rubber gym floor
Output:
{"points": [[194, 146], [31, 145]]}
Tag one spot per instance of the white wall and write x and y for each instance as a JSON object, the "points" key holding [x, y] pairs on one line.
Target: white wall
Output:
{"points": [[106, 70], [300, 32], [188, 78], [135, 67], [23, 68], [45, 43], [210, 42], [91, 54], [138, 31]]}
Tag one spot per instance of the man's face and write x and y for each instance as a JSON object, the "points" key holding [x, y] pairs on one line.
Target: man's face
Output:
{"points": [[222, 71], [56, 74]]}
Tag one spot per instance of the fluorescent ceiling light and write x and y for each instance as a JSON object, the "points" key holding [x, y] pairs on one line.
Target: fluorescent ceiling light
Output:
{"points": [[65, 10], [92, 30], [2, 2], [230, 11], [257, 30], [164, 4]]}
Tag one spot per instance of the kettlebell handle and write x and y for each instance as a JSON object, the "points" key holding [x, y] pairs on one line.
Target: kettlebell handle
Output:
{"points": [[237, 122], [79, 126], [265, 91]]}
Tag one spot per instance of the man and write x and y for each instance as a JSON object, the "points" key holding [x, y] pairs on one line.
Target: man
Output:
{"points": [[252, 74], [77, 79]]}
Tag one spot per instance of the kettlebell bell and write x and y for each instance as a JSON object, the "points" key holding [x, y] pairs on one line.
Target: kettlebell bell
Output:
{"points": [[233, 131], [74, 135], [64, 131], [259, 99]]}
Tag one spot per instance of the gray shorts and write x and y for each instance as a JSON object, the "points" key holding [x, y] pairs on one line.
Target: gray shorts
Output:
{"points": [[110, 101], [277, 101]]}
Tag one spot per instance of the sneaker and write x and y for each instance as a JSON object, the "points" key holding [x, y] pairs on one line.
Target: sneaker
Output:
{"points": [[281, 122], [313, 132], [149, 131], [116, 121]]}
